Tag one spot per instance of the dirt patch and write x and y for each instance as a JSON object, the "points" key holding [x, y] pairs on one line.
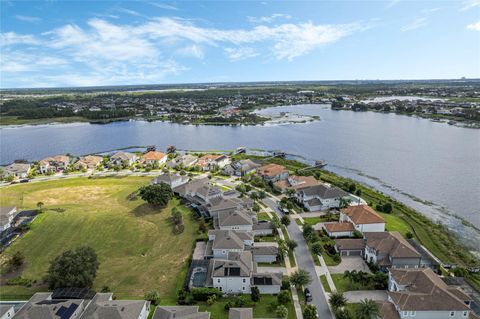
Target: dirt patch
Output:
{"points": [[61, 196]]}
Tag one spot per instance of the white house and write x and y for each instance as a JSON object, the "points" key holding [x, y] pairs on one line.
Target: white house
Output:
{"points": [[172, 180], [237, 220], [123, 157], [153, 158], [18, 170], [320, 197], [232, 274], [223, 242], [363, 218]]}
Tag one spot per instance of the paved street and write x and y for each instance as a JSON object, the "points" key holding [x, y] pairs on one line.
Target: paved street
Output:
{"points": [[305, 261]]}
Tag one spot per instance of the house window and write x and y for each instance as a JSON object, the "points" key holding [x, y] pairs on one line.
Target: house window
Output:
{"points": [[243, 288], [218, 280], [244, 280], [405, 313], [452, 313], [412, 313], [220, 288], [465, 313]]}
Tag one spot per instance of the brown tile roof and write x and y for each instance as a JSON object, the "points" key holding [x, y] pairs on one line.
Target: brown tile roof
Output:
{"points": [[271, 170], [391, 243], [89, 160], [350, 243], [153, 156], [302, 181], [387, 310], [202, 161], [362, 214], [339, 227], [425, 291]]}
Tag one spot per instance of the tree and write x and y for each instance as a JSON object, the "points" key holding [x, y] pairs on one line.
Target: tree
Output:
{"points": [[255, 294], [300, 278], [40, 206], [152, 296], [158, 194], [310, 312], [73, 268], [337, 300], [343, 314], [281, 312], [283, 297], [290, 192], [317, 248], [409, 235], [285, 220], [291, 244], [275, 222], [387, 208], [282, 248], [17, 260], [367, 309], [307, 230], [256, 208], [177, 216], [262, 194]]}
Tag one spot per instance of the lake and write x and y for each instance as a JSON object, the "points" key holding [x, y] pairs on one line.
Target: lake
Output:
{"points": [[433, 167]]}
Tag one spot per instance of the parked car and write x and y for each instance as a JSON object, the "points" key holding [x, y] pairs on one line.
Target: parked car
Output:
{"points": [[308, 295], [285, 211]]}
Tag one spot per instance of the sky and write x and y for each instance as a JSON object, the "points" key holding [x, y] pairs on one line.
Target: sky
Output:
{"points": [[95, 43]]}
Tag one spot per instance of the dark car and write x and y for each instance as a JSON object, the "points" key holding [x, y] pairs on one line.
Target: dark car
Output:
{"points": [[308, 295], [25, 180]]}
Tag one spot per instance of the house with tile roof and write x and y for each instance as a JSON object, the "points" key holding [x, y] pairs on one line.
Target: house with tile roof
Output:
{"points": [[420, 293], [335, 230], [53, 164], [363, 218], [390, 250], [295, 182], [88, 162], [153, 158], [209, 162], [272, 172]]}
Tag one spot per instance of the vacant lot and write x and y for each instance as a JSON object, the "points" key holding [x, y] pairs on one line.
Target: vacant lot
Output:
{"points": [[137, 250]]}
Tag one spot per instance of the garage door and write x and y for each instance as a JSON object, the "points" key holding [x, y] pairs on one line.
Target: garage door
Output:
{"points": [[355, 253]]}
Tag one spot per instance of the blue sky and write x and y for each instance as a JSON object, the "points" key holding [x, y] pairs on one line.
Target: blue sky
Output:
{"points": [[89, 43]]}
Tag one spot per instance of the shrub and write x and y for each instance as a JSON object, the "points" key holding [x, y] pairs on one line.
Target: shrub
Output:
{"points": [[20, 281], [202, 294], [283, 297], [211, 300], [281, 312], [153, 296], [255, 294], [409, 235]]}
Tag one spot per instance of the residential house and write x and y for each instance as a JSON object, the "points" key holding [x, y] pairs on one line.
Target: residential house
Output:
{"points": [[7, 214], [267, 283], [7, 311], [237, 220], [262, 228], [241, 167], [153, 158], [75, 303], [222, 242], [88, 162], [272, 173], [265, 252], [390, 250], [186, 160], [104, 306], [295, 182], [119, 158], [54, 164], [233, 273], [179, 312], [17, 170], [350, 246], [173, 180], [320, 197], [221, 204], [209, 162], [335, 230], [420, 293], [199, 191], [363, 217]]}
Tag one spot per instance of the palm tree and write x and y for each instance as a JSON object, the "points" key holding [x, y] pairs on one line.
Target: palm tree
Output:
{"points": [[368, 309], [337, 300]]}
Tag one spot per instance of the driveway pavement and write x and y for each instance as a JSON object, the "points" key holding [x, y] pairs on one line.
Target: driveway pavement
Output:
{"points": [[349, 263], [357, 296], [305, 261]]}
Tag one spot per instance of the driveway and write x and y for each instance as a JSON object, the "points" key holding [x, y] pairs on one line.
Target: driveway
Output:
{"points": [[349, 263], [305, 261], [359, 295]]}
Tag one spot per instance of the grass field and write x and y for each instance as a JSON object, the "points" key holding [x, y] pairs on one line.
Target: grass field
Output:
{"points": [[261, 309], [324, 282], [136, 247]]}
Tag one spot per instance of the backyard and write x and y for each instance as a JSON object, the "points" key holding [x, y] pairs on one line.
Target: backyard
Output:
{"points": [[135, 244]]}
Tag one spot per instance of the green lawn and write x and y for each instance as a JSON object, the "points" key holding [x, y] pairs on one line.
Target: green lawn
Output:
{"points": [[261, 309], [263, 216], [395, 223], [343, 284], [329, 260], [136, 247], [324, 282], [315, 220]]}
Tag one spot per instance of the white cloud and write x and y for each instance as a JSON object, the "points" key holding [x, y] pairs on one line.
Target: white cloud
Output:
{"points": [[27, 18], [470, 4], [193, 50], [474, 26], [242, 53], [269, 19], [130, 12], [11, 38], [418, 22], [163, 6]]}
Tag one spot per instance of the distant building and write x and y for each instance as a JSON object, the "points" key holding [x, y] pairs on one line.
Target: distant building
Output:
{"points": [[153, 158], [18, 170], [88, 162], [54, 164], [123, 157], [272, 173], [321, 197]]}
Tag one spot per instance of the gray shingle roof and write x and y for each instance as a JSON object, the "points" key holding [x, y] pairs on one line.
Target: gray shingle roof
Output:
{"points": [[240, 313], [237, 218], [323, 191], [237, 265], [180, 312]]}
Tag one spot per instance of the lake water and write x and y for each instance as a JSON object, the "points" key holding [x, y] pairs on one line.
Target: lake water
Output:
{"points": [[433, 167]]}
